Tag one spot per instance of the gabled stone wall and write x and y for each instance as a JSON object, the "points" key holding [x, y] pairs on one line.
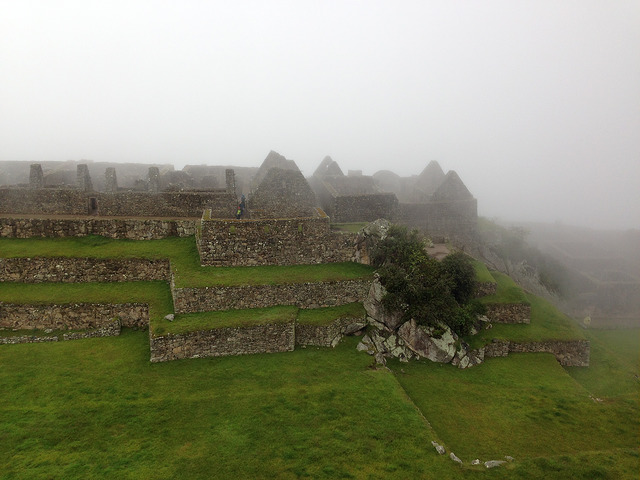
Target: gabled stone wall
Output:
{"points": [[364, 208], [282, 194]]}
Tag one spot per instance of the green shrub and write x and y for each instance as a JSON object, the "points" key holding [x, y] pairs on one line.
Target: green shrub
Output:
{"points": [[424, 289]]}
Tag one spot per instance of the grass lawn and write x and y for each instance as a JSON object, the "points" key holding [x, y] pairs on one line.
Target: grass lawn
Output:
{"points": [[185, 261], [547, 323], [191, 322], [507, 291], [156, 294], [324, 316], [615, 363], [97, 408], [349, 227], [483, 275], [529, 407]]}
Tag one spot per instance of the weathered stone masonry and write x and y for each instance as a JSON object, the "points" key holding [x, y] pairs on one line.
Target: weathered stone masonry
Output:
{"points": [[288, 241], [73, 316], [509, 312], [324, 335], [569, 353], [78, 270], [118, 228], [270, 338], [301, 295], [67, 201]]}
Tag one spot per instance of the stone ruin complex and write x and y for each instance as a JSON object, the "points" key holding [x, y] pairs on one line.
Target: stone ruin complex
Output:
{"points": [[271, 215], [440, 205]]}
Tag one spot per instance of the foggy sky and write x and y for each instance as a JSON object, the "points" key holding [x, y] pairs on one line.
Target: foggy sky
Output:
{"points": [[536, 104]]}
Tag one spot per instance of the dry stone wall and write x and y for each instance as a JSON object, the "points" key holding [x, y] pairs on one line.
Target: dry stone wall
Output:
{"points": [[76, 270], [118, 228], [269, 338], [323, 335], [509, 312], [301, 295], [569, 353], [288, 241], [43, 201], [77, 316], [483, 289], [69, 201], [166, 204]]}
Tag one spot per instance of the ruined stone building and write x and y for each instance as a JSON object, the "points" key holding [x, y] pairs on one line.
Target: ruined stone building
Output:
{"points": [[438, 204], [435, 202]]}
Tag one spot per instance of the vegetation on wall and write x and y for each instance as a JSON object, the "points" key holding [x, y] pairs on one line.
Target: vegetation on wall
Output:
{"points": [[424, 289]]}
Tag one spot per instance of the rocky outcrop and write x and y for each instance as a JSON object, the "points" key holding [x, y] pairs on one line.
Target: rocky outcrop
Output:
{"points": [[438, 344], [368, 238], [391, 336], [377, 314]]}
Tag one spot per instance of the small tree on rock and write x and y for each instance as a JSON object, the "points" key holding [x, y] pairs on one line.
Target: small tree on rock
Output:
{"points": [[422, 288]]}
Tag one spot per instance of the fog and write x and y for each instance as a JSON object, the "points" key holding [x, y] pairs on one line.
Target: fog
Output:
{"points": [[536, 105]]}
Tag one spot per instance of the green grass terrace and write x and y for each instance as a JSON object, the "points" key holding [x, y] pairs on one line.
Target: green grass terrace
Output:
{"points": [[184, 258], [547, 322]]}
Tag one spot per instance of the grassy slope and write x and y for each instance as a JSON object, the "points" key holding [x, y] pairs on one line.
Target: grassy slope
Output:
{"points": [[483, 274], [507, 291], [97, 409], [547, 322], [529, 407]]}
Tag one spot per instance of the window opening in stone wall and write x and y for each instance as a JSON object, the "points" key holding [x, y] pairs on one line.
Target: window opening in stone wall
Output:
{"points": [[93, 206]]}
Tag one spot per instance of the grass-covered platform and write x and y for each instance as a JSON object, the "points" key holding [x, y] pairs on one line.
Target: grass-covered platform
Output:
{"points": [[184, 258], [547, 323]]}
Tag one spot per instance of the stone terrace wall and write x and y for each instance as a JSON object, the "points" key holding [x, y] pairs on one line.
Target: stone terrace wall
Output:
{"points": [[483, 289], [43, 201], [52, 201], [509, 312], [287, 241], [166, 204], [77, 316], [364, 208], [301, 295], [119, 228], [323, 335], [76, 270], [270, 338], [570, 353]]}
